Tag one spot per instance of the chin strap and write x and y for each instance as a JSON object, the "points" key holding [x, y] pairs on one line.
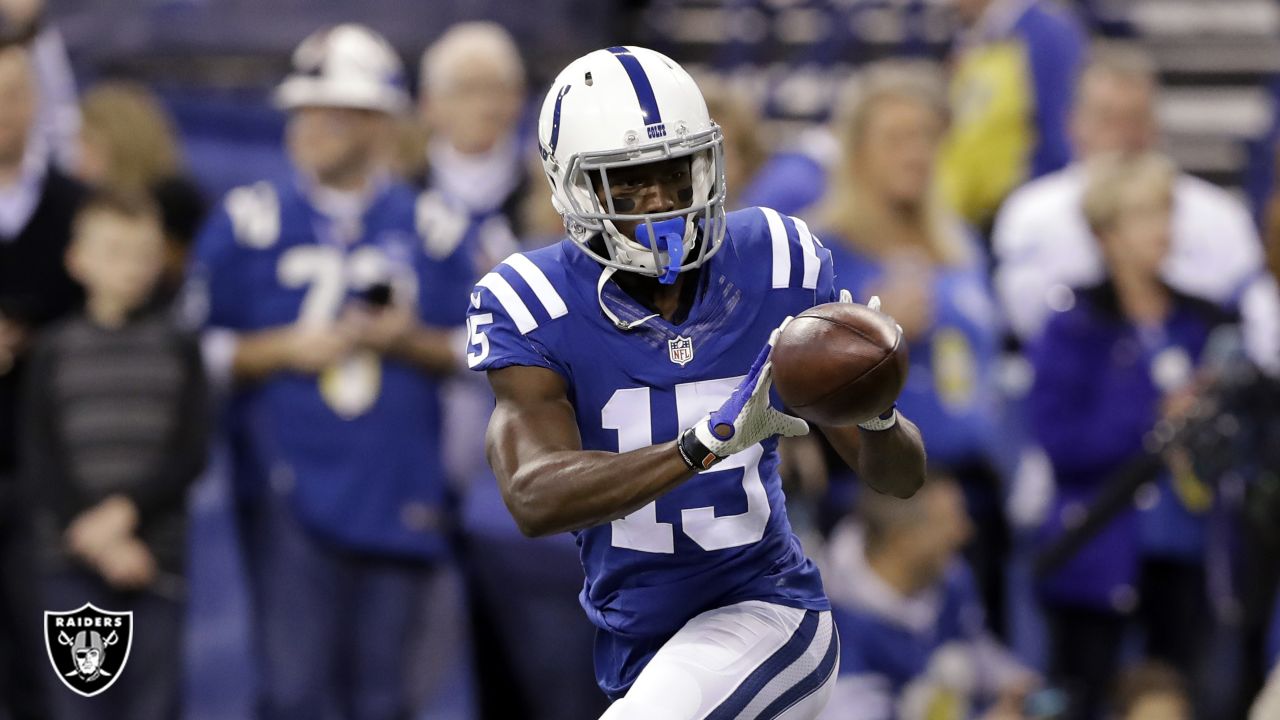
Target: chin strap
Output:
{"points": [[617, 322]]}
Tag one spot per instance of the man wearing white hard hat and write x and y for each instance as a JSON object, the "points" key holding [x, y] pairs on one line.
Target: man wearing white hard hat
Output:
{"points": [[328, 316]]}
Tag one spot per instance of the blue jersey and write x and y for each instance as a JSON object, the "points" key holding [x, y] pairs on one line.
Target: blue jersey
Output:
{"points": [[357, 445], [722, 537]]}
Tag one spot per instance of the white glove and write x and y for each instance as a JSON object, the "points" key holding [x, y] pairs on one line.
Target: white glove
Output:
{"points": [[745, 419]]}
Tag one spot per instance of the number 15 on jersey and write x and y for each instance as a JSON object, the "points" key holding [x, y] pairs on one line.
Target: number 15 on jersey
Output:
{"points": [[630, 412]]}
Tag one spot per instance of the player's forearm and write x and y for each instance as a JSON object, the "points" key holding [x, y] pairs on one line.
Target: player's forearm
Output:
{"points": [[891, 461], [259, 354], [576, 489]]}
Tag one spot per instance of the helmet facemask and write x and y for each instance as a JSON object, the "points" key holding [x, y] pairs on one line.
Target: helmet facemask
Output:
{"points": [[574, 192]]}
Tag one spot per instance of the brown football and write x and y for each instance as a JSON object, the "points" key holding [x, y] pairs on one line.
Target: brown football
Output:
{"points": [[839, 364]]}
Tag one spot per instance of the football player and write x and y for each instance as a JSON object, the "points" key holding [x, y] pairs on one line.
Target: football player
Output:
{"points": [[631, 368]]}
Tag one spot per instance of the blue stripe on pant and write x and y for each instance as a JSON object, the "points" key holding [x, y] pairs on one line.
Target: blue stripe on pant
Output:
{"points": [[811, 682], [775, 664]]}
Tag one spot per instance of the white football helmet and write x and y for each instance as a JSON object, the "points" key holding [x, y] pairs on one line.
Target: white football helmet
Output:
{"points": [[626, 106], [346, 66]]}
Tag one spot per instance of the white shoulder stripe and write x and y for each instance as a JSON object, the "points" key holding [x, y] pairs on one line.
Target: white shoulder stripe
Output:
{"points": [[510, 301], [810, 255], [539, 283], [781, 251]]}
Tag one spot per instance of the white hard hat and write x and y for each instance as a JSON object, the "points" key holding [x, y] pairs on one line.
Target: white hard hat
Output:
{"points": [[348, 66], [629, 106]]}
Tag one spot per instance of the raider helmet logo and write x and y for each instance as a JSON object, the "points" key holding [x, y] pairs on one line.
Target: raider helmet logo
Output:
{"points": [[88, 647]]}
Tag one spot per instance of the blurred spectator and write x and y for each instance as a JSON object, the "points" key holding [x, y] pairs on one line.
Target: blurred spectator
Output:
{"points": [[1273, 226], [473, 89], [744, 149], [890, 236], [1151, 691], [115, 423], [58, 111], [792, 180], [127, 140], [913, 638], [1042, 242], [128, 143], [36, 206], [1260, 302], [334, 323], [1015, 68], [1106, 368]]}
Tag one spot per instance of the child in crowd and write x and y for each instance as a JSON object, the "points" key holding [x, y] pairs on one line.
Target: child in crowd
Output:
{"points": [[114, 433]]}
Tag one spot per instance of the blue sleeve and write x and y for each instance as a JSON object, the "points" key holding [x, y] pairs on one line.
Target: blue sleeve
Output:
{"points": [[796, 269], [1055, 46], [826, 291], [213, 274], [1075, 411], [496, 340]]}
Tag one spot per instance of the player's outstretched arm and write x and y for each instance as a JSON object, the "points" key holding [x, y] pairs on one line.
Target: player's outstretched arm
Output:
{"points": [[887, 452], [891, 461], [552, 485]]}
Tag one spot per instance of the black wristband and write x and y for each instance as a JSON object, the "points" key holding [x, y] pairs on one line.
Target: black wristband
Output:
{"points": [[694, 453]]}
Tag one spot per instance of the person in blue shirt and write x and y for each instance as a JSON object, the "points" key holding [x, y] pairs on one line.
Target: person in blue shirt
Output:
{"points": [[332, 318], [1111, 362], [890, 236], [631, 368], [915, 642]]}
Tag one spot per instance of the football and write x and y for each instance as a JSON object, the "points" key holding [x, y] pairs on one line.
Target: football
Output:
{"points": [[839, 364]]}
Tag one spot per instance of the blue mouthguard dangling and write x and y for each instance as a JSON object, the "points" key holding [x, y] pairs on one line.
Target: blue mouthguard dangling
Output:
{"points": [[670, 241]]}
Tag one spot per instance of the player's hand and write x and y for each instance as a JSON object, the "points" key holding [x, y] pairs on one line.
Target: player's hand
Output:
{"points": [[747, 417], [101, 526]]}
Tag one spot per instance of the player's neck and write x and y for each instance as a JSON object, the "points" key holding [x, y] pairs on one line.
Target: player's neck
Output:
{"points": [[671, 302]]}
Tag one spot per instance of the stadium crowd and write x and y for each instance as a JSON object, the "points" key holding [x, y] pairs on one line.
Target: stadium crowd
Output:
{"points": [[1094, 539]]}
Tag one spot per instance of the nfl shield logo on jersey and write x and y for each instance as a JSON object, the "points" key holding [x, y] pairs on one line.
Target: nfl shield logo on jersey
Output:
{"points": [[681, 350], [88, 647]]}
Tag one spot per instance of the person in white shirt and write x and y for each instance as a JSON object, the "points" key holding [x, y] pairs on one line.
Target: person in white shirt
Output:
{"points": [[1042, 244]]}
